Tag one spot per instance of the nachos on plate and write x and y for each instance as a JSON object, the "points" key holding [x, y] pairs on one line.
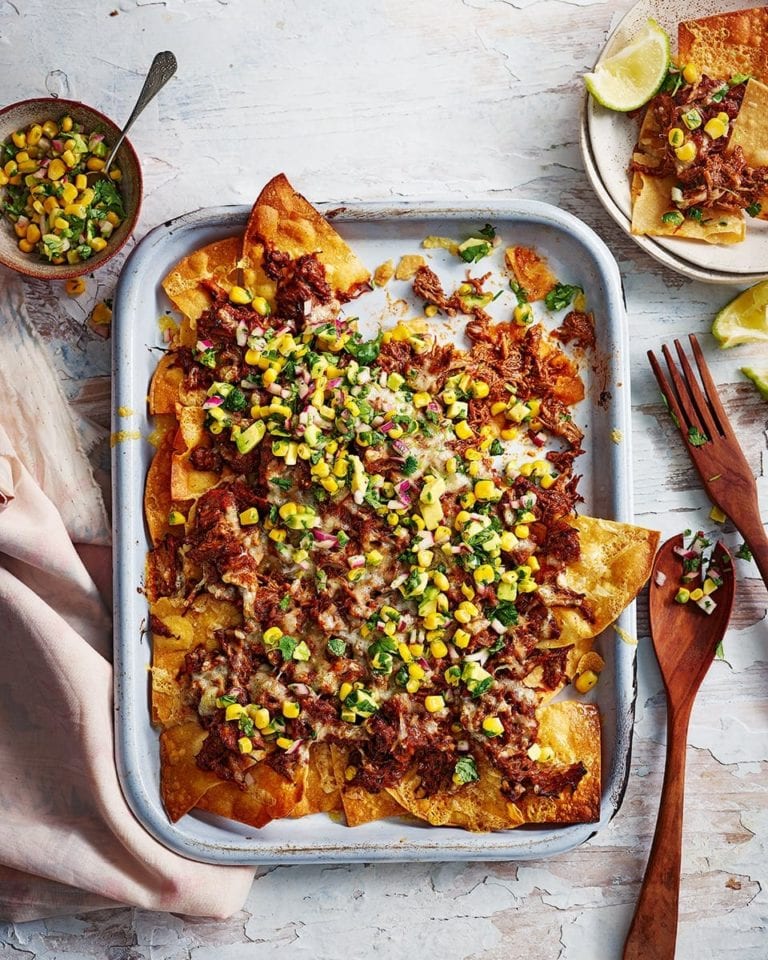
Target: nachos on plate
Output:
{"points": [[368, 581], [700, 164]]}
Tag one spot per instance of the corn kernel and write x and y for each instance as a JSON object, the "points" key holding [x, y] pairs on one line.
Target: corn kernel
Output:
{"points": [[691, 73], [56, 169], [75, 286], [415, 671], [687, 152], [461, 638], [533, 564], [350, 773], [421, 399], [484, 574], [468, 592], [245, 745], [523, 314], [547, 481], [585, 681], [434, 703], [697, 594], [522, 531], [25, 246], [234, 711], [98, 244], [92, 163], [272, 635], [285, 743], [480, 389], [438, 649], [676, 137], [291, 709], [715, 128], [492, 726], [425, 558], [440, 580], [412, 686], [463, 430], [239, 295]]}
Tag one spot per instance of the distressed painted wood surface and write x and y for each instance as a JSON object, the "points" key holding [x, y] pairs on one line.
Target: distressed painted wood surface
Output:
{"points": [[405, 100]]}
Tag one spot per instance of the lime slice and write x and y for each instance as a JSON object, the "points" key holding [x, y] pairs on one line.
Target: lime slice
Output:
{"points": [[759, 378], [630, 77], [744, 319]]}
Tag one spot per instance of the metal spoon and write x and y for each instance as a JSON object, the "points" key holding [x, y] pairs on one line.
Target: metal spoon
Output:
{"points": [[685, 641], [160, 72]]}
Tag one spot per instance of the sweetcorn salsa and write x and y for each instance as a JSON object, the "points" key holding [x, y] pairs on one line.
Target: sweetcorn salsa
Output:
{"points": [[45, 195]]}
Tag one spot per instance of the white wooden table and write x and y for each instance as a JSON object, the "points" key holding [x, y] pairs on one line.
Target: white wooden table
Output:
{"points": [[406, 100]]}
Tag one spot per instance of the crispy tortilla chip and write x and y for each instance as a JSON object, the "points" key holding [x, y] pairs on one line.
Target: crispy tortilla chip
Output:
{"points": [[727, 43], [180, 628], [359, 805], [187, 483], [267, 796], [651, 200], [531, 271], [216, 262], [182, 783], [750, 131], [157, 490], [321, 789], [615, 562], [572, 730], [283, 220], [165, 388]]}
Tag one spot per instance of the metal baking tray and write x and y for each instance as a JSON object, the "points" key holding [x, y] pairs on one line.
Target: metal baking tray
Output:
{"points": [[376, 232]]}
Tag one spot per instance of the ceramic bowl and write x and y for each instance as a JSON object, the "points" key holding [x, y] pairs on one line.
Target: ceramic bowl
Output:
{"points": [[20, 115]]}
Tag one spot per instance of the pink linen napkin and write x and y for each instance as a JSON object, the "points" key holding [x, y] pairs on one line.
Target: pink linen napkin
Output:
{"points": [[68, 841]]}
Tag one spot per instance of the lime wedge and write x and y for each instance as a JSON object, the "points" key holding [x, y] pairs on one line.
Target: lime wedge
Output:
{"points": [[759, 378], [630, 77], [744, 319]]}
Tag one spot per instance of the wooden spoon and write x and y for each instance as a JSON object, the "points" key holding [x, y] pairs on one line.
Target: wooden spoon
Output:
{"points": [[685, 640]]}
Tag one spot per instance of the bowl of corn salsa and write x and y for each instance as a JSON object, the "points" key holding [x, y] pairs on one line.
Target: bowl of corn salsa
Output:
{"points": [[58, 218]]}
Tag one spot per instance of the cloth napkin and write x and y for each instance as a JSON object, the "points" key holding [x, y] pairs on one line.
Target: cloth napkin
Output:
{"points": [[68, 841]]}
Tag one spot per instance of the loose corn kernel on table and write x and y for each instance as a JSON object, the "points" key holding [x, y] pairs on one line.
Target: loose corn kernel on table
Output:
{"points": [[394, 100]]}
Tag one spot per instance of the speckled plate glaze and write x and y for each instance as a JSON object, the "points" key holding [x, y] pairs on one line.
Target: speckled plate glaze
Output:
{"points": [[376, 233], [607, 139]]}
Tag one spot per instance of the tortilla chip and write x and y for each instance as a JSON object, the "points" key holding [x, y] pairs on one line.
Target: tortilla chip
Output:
{"points": [[651, 200], [267, 796], [531, 271], [750, 131], [182, 783], [187, 483], [572, 730], [615, 562], [182, 628], [283, 220], [727, 43], [359, 805], [216, 262], [321, 789], [165, 387], [157, 490]]}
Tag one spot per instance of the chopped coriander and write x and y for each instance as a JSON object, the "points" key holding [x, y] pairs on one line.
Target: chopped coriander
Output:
{"points": [[522, 296], [285, 602], [754, 209], [465, 770], [695, 213], [286, 646], [696, 438], [744, 553], [496, 448], [235, 400], [488, 232], [561, 295], [410, 465], [672, 216], [337, 647], [285, 483]]}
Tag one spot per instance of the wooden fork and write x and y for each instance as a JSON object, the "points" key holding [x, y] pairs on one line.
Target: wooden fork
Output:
{"points": [[712, 445]]}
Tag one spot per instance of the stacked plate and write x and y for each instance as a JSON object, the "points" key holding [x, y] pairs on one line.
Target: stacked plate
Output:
{"points": [[607, 139]]}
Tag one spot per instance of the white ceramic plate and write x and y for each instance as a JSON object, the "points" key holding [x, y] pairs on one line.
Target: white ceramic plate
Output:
{"points": [[607, 139]]}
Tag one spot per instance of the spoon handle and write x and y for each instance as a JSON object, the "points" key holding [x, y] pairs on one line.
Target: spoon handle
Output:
{"points": [[653, 932], [160, 72]]}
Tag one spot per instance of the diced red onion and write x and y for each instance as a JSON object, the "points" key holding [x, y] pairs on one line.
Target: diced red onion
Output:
{"points": [[387, 427], [539, 439], [356, 561], [660, 578], [214, 401], [322, 537], [204, 345]]}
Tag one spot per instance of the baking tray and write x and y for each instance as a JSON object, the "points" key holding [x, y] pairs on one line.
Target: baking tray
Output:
{"points": [[377, 232]]}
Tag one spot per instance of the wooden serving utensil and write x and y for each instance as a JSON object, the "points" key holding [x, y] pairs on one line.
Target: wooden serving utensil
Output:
{"points": [[685, 640]]}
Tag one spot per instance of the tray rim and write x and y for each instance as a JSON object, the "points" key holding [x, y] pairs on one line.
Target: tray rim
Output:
{"points": [[542, 841]]}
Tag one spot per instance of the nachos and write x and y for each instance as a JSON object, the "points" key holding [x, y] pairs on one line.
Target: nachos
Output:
{"points": [[699, 165], [368, 580]]}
